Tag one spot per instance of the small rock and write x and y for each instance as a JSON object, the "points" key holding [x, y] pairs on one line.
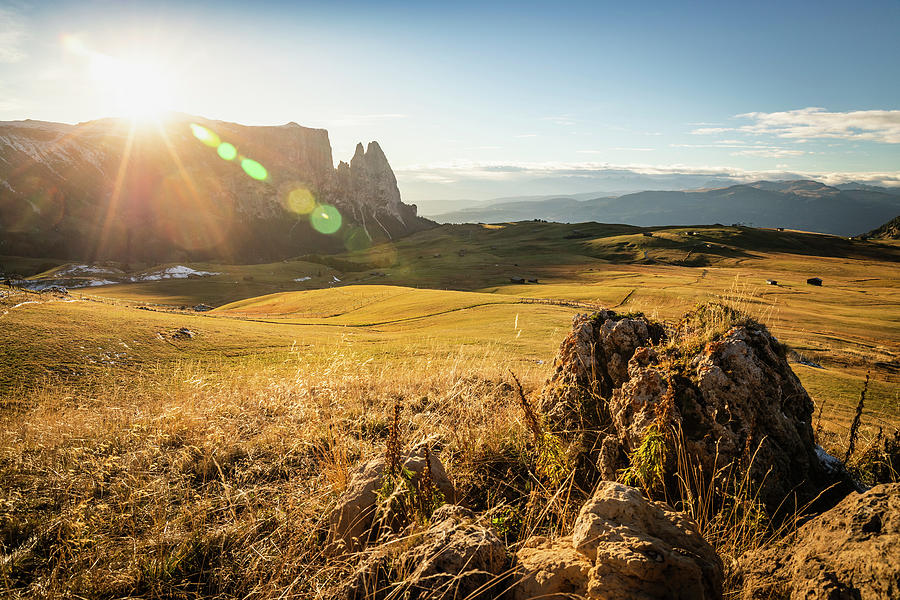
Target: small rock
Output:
{"points": [[622, 547], [351, 522], [454, 558], [552, 570]]}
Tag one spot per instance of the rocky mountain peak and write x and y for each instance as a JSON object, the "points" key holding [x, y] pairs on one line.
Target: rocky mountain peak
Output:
{"points": [[183, 197]]}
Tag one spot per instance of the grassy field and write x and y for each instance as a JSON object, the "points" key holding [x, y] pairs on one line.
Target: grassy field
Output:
{"points": [[140, 461], [453, 285]]}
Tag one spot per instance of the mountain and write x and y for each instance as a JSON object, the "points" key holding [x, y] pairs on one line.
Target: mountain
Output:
{"points": [[888, 231], [855, 185], [798, 204], [190, 189]]}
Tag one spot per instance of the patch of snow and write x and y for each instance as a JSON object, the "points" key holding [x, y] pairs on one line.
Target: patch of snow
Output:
{"points": [[178, 272], [336, 280], [830, 463], [88, 270], [95, 283], [303, 279]]}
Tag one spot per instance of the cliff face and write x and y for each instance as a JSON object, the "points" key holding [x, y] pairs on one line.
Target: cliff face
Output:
{"points": [[105, 190]]}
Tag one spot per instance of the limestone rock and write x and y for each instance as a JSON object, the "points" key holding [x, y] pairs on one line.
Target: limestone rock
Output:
{"points": [[455, 557], [352, 522], [551, 570], [735, 400], [591, 363], [849, 552], [622, 547]]}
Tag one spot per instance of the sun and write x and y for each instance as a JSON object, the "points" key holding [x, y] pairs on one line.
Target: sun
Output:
{"points": [[135, 87]]}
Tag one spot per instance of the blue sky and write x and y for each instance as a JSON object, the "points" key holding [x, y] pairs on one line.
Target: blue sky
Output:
{"points": [[472, 100]]}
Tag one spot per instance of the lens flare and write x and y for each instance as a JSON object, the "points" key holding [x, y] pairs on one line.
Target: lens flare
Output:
{"points": [[325, 219], [300, 201], [226, 151], [254, 169], [205, 135]]}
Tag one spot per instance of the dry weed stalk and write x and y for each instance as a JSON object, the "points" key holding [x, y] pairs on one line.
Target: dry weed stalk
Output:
{"points": [[392, 447], [530, 417], [854, 426]]}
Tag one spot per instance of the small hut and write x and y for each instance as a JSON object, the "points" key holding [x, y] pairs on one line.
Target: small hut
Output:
{"points": [[771, 282], [814, 281]]}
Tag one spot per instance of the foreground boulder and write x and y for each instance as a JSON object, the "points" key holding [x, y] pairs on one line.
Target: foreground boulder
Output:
{"points": [[622, 547], [356, 521], [730, 397], [455, 557], [849, 552]]}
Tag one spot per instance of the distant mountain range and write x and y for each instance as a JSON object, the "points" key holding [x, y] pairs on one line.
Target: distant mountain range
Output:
{"points": [[190, 189], [846, 209]]}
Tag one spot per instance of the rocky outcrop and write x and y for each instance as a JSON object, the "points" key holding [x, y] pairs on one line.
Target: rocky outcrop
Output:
{"points": [[455, 557], [849, 552], [622, 547], [62, 192], [592, 362], [369, 188], [357, 519], [733, 400]]}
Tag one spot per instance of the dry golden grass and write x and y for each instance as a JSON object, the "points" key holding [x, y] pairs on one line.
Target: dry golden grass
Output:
{"points": [[205, 469], [198, 481]]}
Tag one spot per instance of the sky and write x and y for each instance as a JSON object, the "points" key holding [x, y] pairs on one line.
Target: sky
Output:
{"points": [[480, 100]]}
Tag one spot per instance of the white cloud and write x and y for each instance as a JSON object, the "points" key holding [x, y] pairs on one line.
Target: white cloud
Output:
{"points": [[808, 123], [711, 130], [769, 152], [12, 34], [618, 149], [564, 120], [462, 169]]}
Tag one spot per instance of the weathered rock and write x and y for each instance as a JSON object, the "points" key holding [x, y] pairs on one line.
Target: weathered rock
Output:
{"points": [[625, 547], [457, 558], [352, 522], [849, 552], [590, 364], [454, 558], [551, 570], [735, 400]]}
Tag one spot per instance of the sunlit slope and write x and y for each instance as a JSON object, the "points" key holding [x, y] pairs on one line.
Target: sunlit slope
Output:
{"points": [[81, 341], [360, 304]]}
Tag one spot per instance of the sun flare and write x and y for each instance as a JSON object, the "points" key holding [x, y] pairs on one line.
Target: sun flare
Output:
{"points": [[133, 86]]}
